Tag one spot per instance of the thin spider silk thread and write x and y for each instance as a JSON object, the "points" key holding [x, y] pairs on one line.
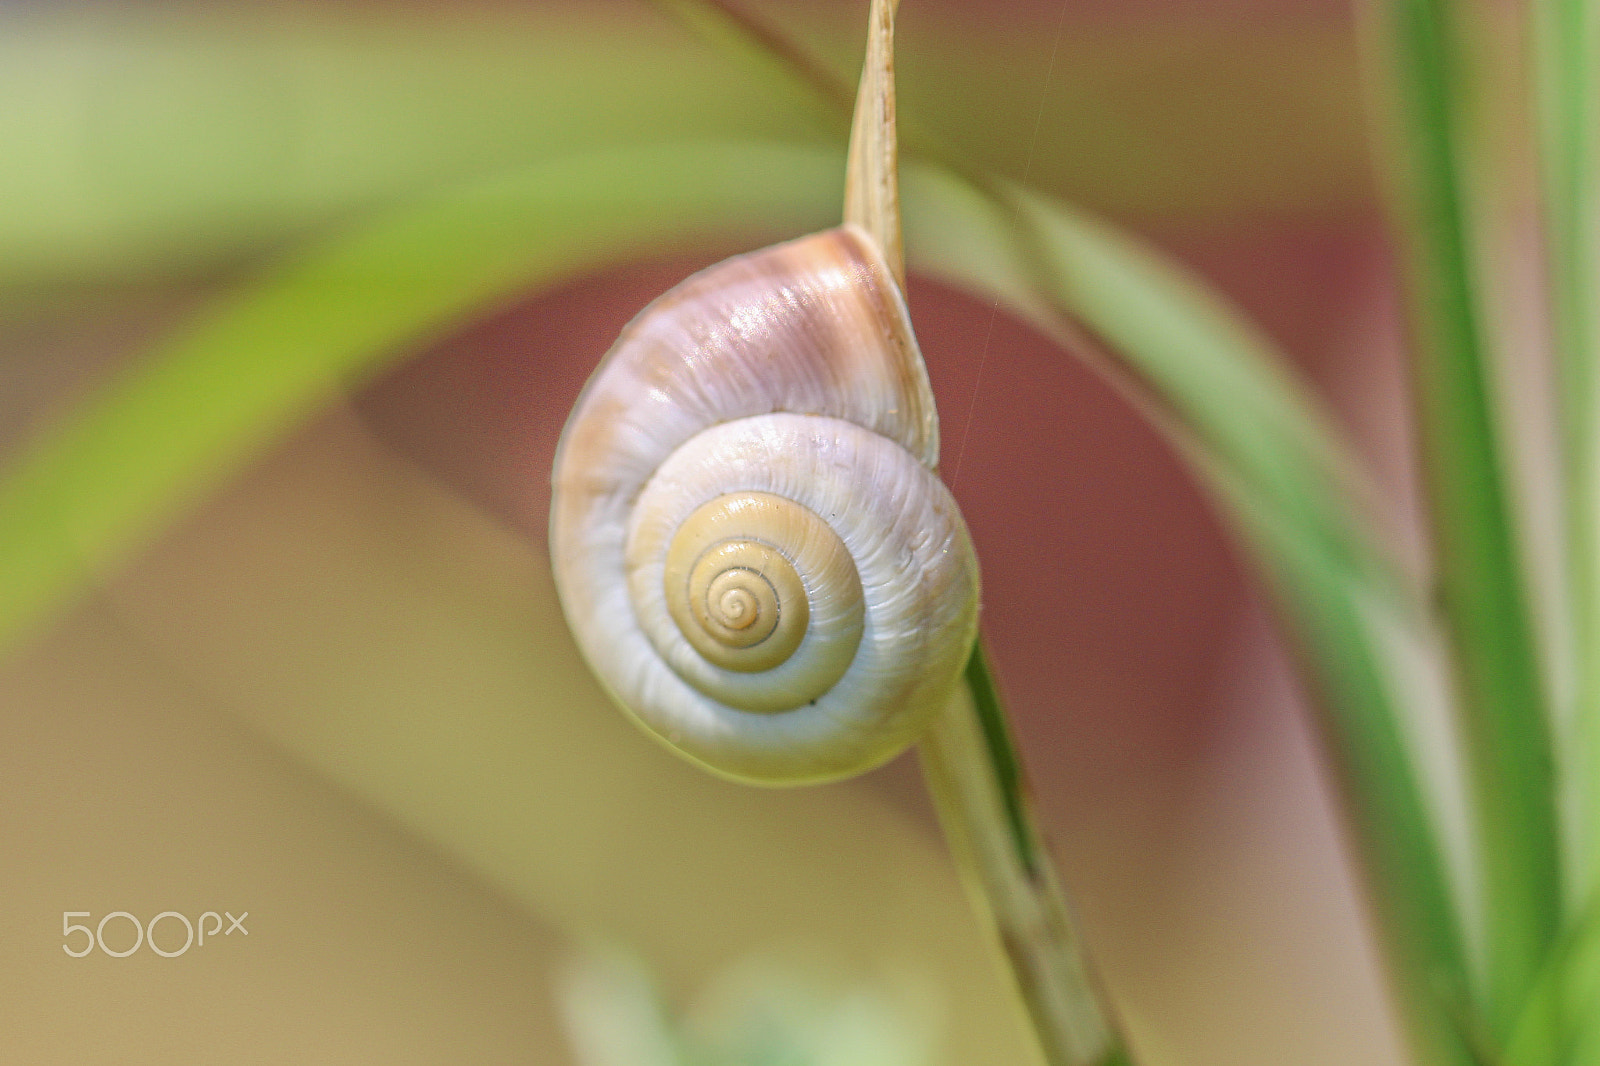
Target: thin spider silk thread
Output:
{"points": [[994, 304]]}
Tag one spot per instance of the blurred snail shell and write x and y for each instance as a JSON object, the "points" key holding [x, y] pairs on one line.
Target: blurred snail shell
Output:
{"points": [[749, 540]]}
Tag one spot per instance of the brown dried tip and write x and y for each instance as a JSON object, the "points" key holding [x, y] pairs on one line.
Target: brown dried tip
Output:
{"points": [[871, 188]]}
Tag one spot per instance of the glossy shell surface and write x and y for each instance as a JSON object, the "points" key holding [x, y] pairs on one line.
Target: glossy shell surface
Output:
{"points": [[767, 427]]}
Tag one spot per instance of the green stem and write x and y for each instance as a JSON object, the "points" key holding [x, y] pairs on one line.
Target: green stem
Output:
{"points": [[968, 758], [1278, 475], [1567, 34], [1499, 687], [976, 780]]}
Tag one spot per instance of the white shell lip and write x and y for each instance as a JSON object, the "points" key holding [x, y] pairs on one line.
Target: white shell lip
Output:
{"points": [[805, 345]]}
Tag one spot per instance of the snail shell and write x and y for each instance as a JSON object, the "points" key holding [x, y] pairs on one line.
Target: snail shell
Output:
{"points": [[748, 537]]}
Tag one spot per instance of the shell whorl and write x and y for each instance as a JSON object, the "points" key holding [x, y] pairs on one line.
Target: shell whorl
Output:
{"points": [[748, 537]]}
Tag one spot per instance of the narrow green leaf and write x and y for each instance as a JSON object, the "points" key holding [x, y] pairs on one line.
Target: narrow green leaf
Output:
{"points": [[1264, 449], [975, 776], [1568, 87], [1560, 1025], [87, 494], [146, 140], [1503, 704]]}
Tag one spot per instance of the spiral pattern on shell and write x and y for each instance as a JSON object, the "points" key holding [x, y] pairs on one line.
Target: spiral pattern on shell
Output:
{"points": [[749, 540]]}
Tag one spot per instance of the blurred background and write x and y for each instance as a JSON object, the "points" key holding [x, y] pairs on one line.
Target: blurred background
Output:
{"points": [[338, 694]]}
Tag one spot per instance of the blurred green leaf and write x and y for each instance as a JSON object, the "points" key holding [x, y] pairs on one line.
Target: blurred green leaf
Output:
{"points": [[1567, 76], [614, 1013], [80, 499], [758, 1012], [1266, 452], [1503, 706], [143, 140], [1560, 1025]]}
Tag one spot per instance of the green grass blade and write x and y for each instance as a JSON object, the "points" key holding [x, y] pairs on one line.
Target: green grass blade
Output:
{"points": [[1560, 1026], [1264, 450], [1568, 91], [975, 776], [1561, 1023], [82, 498], [151, 141], [1503, 703], [145, 141]]}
